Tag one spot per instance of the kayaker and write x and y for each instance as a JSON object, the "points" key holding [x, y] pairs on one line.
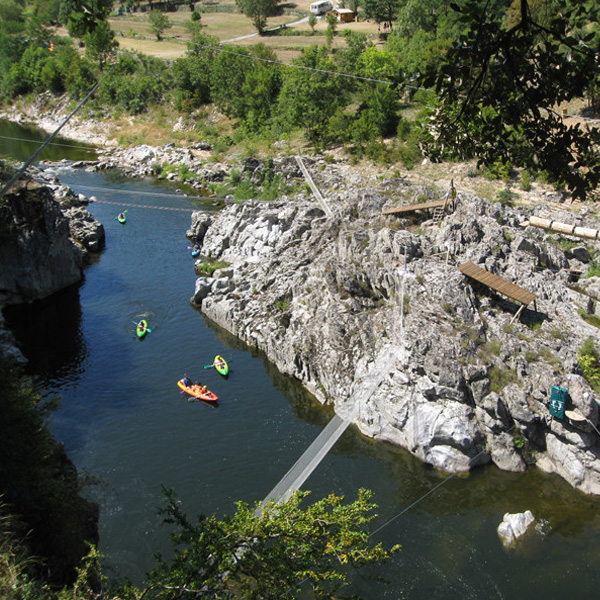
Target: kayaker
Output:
{"points": [[187, 381]]}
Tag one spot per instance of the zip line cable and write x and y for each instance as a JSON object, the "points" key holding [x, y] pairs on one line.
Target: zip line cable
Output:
{"points": [[348, 75], [429, 492], [28, 162], [296, 66]]}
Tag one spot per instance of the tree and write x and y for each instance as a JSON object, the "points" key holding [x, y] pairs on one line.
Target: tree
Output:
{"points": [[331, 25], [499, 88], [309, 98], [259, 11], [260, 89], [381, 11], [250, 556], [191, 74], [82, 16], [159, 22], [100, 44], [228, 73]]}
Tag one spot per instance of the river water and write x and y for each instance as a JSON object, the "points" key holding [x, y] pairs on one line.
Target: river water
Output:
{"points": [[126, 426]]}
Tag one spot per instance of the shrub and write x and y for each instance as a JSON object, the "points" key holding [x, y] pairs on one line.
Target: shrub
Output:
{"points": [[525, 181], [589, 363], [208, 268], [500, 378]]}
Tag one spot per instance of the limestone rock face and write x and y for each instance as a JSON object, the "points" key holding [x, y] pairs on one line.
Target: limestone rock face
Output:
{"points": [[513, 526], [42, 245], [373, 316]]}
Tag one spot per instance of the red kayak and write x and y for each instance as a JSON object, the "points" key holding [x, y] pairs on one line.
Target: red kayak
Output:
{"points": [[198, 391]]}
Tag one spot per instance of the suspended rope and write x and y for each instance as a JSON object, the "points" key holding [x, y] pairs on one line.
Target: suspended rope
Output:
{"points": [[146, 206]]}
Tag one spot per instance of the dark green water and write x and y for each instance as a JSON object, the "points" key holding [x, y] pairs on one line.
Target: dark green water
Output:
{"points": [[124, 422], [18, 142]]}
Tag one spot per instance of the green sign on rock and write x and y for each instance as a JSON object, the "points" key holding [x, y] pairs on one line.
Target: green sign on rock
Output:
{"points": [[558, 399]]}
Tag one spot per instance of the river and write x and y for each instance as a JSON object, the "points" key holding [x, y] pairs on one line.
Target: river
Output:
{"points": [[129, 430]]}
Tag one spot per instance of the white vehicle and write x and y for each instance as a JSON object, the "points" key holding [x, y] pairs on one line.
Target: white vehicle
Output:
{"points": [[320, 7]]}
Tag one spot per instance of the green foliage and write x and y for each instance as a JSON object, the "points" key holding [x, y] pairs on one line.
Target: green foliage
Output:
{"points": [[83, 16], [499, 87], [593, 269], [381, 10], [283, 305], [136, 83], [525, 181], [258, 11], [501, 377], [308, 99], [379, 112], [207, 268], [588, 360], [159, 23], [588, 318], [519, 439], [506, 196], [100, 44], [192, 74], [259, 556], [498, 170], [34, 477]]}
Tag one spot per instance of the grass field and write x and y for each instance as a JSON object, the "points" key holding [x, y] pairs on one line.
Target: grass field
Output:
{"points": [[134, 31]]}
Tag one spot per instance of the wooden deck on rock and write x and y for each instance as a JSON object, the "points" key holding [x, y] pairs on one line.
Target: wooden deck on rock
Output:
{"points": [[497, 283], [413, 207]]}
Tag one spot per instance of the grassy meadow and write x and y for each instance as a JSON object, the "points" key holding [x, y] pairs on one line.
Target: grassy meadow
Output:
{"points": [[134, 32]]}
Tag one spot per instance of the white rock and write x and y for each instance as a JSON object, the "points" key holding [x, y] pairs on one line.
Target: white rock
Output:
{"points": [[513, 526]]}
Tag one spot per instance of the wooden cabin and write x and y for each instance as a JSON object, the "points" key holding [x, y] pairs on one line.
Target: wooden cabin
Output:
{"points": [[344, 15]]}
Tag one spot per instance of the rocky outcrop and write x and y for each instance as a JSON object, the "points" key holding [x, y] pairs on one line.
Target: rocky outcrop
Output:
{"points": [[331, 301], [45, 235]]}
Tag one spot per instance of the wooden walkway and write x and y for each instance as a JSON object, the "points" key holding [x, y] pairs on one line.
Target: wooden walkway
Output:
{"points": [[413, 207], [497, 283]]}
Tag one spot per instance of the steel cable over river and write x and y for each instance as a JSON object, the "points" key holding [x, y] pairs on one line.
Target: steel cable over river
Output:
{"points": [[126, 426]]}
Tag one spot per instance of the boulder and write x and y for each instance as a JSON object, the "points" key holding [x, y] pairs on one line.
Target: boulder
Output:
{"points": [[514, 526]]}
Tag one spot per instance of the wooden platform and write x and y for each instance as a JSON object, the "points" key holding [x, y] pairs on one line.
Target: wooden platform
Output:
{"points": [[413, 207], [497, 283]]}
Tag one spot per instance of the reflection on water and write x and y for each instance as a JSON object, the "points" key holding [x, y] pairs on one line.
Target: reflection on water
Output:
{"points": [[49, 334], [19, 142]]}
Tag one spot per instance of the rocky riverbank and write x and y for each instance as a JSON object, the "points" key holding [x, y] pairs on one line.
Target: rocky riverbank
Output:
{"points": [[46, 235], [372, 314]]}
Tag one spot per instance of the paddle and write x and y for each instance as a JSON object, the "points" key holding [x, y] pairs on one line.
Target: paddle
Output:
{"points": [[211, 366]]}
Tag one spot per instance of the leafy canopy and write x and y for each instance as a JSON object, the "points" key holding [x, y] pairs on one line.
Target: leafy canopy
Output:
{"points": [[499, 89], [251, 556]]}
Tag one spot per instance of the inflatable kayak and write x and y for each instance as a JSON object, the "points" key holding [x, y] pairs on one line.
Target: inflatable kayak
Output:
{"points": [[141, 328], [221, 365], [196, 250], [121, 217], [198, 391]]}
